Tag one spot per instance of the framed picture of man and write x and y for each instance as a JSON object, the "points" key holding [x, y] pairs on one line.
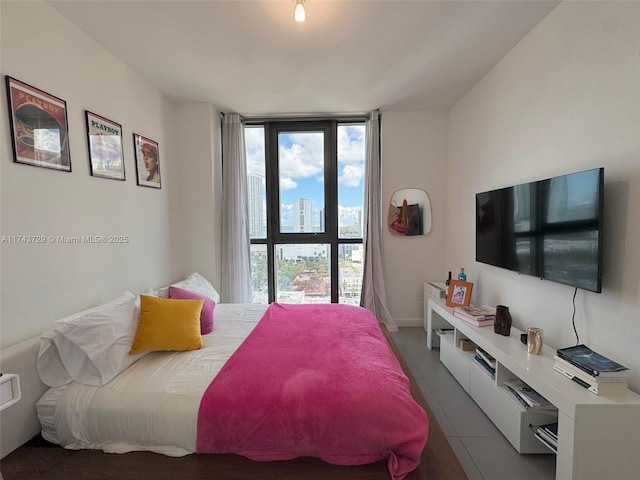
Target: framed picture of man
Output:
{"points": [[147, 161], [39, 127]]}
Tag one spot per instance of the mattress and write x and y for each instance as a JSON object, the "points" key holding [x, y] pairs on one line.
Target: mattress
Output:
{"points": [[153, 404]]}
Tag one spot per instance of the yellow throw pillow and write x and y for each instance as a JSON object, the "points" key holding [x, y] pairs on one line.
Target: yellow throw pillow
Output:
{"points": [[167, 324]]}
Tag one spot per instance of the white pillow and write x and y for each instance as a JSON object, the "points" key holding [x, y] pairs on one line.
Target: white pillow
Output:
{"points": [[92, 346], [194, 283]]}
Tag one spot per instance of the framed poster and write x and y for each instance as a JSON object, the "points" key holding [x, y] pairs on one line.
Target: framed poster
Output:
{"points": [[147, 161], [39, 127], [104, 138]]}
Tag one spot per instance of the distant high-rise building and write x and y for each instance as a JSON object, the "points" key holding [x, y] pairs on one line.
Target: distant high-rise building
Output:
{"points": [[257, 207], [302, 215]]}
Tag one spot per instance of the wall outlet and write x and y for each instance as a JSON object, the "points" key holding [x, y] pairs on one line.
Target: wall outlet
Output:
{"points": [[9, 390], [418, 295]]}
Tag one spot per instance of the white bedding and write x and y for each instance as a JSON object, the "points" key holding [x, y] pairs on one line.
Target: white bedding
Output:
{"points": [[153, 404]]}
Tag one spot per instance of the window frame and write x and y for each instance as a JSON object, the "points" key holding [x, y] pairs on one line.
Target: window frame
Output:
{"points": [[331, 235]]}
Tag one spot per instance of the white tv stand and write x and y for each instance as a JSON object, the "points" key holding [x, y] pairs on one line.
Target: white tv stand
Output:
{"points": [[598, 436]]}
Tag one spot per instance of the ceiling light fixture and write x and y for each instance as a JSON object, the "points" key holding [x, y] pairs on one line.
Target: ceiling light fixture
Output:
{"points": [[299, 14]]}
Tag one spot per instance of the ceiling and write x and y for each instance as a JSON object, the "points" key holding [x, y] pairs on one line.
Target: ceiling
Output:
{"points": [[350, 56]]}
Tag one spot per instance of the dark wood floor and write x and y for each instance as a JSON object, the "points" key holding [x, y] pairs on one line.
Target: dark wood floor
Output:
{"points": [[39, 460]]}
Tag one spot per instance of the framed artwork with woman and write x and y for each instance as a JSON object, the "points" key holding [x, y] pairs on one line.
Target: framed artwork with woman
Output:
{"points": [[147, 161]]}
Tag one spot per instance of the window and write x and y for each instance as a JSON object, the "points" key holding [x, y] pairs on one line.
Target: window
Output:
{"points": [[306, 194]]}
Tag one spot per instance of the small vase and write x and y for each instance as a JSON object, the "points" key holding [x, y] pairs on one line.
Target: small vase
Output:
{"points": [[502, 324]]}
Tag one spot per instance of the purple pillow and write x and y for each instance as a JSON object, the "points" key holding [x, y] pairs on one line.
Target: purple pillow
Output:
{"points": [[206, 316]]}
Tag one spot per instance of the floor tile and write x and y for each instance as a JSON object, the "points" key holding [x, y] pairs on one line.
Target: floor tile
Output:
{"points": [[465, 459], [483, 451], [495, 458]]}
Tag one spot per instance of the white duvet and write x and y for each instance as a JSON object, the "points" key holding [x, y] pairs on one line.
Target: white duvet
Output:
{"points": [[153, 404]]}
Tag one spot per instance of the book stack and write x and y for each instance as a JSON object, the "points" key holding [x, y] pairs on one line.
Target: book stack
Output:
{"points": [[486, 361], [595, 372], [528, 397], [547, 434], [478, 315]]}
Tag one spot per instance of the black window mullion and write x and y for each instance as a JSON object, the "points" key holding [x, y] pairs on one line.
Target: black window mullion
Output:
{"points": [[330, 236], [271, 185], [331, 193]]}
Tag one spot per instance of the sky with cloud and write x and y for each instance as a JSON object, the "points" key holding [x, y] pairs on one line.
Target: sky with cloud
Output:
{"points": [[301, 167]]}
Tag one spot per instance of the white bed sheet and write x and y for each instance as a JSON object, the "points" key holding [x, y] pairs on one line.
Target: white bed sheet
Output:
{"points": [[153, 404]]}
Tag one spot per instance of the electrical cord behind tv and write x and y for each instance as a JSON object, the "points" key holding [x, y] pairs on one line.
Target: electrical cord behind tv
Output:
{"points": [[573, 318]]}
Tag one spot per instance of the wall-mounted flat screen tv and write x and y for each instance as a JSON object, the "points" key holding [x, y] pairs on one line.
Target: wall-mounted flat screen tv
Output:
{"points": [[551, 229]]}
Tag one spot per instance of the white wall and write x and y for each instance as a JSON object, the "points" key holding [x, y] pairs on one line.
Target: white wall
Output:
{"points": [[414, 155], [196, 205], [40, 283], [566, 98]]}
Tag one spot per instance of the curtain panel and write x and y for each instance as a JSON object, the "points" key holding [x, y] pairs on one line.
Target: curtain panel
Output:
{"points": [[374, 297], [236, 268]]}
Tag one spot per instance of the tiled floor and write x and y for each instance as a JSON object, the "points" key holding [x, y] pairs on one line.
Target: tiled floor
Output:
{"points": [[482, 450]]}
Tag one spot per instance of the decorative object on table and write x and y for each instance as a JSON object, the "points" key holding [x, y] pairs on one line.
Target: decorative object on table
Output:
{"points": [[534, 341], [147, 161], [39, 128], [447, 283], [104, 137], [592, 362], [478, 315], [462, 276], [503, 321], [409, 212], [459, 294]]}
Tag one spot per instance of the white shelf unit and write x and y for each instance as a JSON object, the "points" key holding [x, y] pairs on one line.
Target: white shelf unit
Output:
{"points": [[598, 435]]}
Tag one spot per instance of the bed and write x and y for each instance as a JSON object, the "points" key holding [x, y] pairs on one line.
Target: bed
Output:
{"points": [[269, 383]]}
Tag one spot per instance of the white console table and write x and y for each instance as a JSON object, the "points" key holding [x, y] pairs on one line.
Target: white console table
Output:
{"points": [[598, 435]]}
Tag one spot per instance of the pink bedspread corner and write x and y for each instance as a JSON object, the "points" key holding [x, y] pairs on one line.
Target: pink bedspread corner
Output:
{"points": [[314, 380]]}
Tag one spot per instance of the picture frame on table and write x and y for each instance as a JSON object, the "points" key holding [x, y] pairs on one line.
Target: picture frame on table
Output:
{"points": [[459, 294], [104, 139], [39, 127], [147, 156]]}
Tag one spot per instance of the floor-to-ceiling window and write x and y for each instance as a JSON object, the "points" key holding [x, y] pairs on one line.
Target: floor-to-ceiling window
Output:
{"points": [[306, 193]]}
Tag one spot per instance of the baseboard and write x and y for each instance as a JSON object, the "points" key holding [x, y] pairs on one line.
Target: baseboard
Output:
{"points": [[409, 322]]}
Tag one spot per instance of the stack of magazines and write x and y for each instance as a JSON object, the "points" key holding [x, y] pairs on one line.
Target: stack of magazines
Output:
{"points": [[593, 371], [486, 361], [528, 397], [478, 315], [547, 434]]}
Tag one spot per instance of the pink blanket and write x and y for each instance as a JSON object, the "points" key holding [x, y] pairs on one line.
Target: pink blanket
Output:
{"points": [[319, 381]]}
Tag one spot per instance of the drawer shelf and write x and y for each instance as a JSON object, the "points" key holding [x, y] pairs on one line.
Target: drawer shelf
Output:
{"points": [[590, 427]]}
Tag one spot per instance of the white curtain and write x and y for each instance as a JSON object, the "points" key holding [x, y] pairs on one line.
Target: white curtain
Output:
{"points": [[374, 297], [236, 270]]}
